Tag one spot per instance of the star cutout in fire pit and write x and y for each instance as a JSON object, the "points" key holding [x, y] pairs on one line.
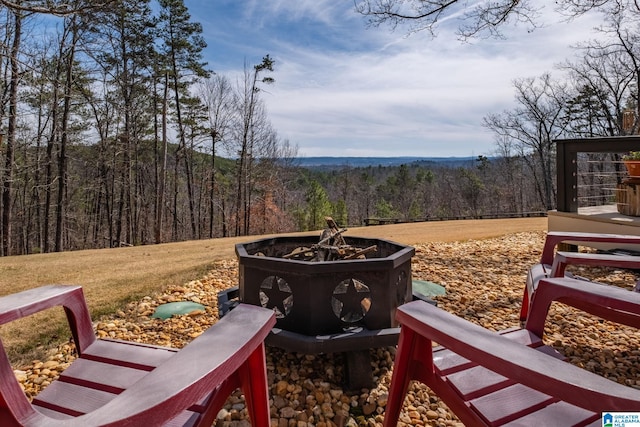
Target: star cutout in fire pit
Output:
{"points": [[276, 294], [351, 300]]}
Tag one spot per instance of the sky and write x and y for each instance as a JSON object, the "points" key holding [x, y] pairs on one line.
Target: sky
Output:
{"points": [[344, 89]]}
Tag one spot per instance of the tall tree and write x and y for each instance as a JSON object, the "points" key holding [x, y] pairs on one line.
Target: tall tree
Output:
{"points": [[182, 46], [68, 61], [194, 126], [161, 147], [219, 99], [7, 179], [36, 102], [126, 58], [251, 117]]}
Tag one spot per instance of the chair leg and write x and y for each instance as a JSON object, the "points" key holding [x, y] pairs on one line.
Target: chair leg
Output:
{"points": [[402, 375], [216, 400], [524, 310], [253, 377]]}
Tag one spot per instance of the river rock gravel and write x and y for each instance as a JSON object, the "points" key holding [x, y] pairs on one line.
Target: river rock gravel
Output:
{"points": [[484, 281]]}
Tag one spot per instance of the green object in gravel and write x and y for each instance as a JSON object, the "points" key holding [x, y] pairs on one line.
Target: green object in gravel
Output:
{"points": [[428, 289], [167, 310]]}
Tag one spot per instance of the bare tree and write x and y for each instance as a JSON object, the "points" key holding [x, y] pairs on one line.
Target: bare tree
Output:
{"points": [[218, 97], [251, 114], [69, 59], [421, 15], [474, 18], [606, 73], [56, 7], [538, 119]]}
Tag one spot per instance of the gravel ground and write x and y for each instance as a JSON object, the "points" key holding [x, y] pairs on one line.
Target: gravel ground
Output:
{"points": [[484, 281]]}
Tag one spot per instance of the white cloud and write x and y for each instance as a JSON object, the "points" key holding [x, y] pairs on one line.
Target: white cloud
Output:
{"points": [[342, 89]]}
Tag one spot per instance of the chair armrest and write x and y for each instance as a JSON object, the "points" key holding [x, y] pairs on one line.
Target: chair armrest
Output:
{"points": [[186, 378], [26, 303], [608, 302], [555, 238], [516, 361], [71, 298], [562, 259]]}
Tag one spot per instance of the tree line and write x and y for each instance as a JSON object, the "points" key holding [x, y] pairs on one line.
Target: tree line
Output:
{"points": [[417, 191], [115, 132], [111, 125]]}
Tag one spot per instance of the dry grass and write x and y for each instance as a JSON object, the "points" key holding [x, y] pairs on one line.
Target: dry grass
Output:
{"points": [[113, 277]]}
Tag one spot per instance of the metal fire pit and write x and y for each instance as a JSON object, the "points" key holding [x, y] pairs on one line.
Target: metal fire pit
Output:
{"points": [[329, 306]]}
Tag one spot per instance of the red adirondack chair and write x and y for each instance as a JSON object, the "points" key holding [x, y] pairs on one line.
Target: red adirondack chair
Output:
{"points": [[119, 383], [553, 264], [510, 378]]}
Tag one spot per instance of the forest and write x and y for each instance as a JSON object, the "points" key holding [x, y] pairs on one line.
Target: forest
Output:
{"points": [[115, 132]]}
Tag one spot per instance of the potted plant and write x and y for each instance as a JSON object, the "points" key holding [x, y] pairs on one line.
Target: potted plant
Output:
{"points": [[632, 163]]}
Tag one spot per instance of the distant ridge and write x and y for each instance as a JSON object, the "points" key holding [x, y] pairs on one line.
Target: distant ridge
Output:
{"points": [[333, 162]]}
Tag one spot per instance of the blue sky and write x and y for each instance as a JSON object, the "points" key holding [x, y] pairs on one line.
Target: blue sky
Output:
{"points": [[343, 89]]}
